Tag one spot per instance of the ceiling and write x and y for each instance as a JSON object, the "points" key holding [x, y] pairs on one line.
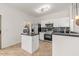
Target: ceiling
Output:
{"points": [[29, 8]]}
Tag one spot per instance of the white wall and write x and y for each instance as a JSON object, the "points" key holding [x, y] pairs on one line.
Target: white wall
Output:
{"points": [[13, 22]]}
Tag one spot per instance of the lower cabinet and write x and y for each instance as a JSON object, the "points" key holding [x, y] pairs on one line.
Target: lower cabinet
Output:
{"points": [[35, 43], [30, 43], [42, 35], [65, 45]]}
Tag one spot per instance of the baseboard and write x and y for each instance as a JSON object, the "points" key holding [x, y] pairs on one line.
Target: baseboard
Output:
{"points": [[10, 45]]}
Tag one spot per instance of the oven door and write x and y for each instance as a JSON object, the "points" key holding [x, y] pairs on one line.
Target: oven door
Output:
{"points": [[48, 37]]}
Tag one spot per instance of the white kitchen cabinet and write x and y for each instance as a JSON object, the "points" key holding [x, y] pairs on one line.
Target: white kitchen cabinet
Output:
{"points": [[42, 35], [61, 22], [30, 43], [35, 43], [65, 45]]}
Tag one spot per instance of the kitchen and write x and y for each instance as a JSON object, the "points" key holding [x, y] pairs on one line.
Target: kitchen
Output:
{"points": [[58, 29]]}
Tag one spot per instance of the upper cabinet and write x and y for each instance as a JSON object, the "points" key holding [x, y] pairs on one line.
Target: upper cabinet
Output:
{"points": [[47, 21], [58, 22], [62, 22]]}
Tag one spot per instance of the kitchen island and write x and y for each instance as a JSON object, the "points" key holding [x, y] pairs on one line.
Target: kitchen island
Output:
{"points": [[30, 43], [65, 44]]}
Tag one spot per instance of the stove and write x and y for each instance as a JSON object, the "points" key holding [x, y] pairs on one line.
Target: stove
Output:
{"points": [[48, 35]]}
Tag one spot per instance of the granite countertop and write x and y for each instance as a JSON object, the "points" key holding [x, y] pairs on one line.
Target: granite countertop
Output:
{"points": [[68, 34], [28, 34]]}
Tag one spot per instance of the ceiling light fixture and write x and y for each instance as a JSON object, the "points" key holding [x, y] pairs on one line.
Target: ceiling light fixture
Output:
{"points": [[43, 9]]}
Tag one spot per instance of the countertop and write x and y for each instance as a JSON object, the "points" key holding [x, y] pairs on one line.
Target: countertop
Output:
{"points": [[74, 34], [28, 34]]}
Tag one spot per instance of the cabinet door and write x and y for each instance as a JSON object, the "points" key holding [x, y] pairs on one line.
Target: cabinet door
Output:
{"points": [[35, 43], [71, 46], [42, 35], [26, 43], [57, 45], [65, 45]]}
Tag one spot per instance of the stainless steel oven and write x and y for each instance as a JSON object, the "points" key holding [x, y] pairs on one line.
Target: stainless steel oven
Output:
{"points": [[48, 37]]}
